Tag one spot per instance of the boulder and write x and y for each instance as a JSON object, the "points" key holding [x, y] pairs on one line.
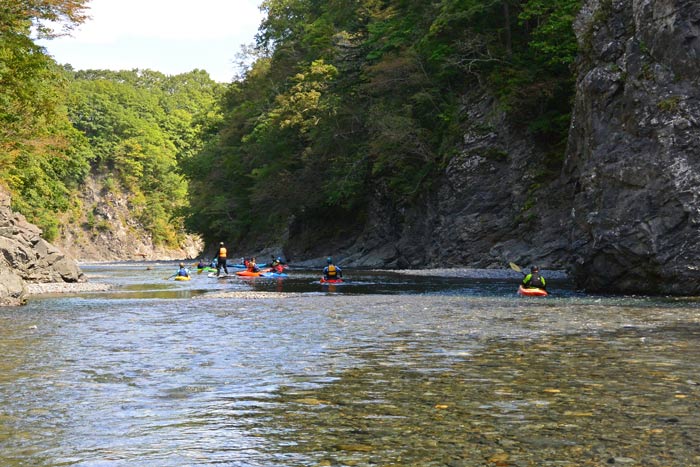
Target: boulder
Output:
{"points": [[26, 257]]}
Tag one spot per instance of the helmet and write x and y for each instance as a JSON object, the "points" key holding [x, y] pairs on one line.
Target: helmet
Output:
{"points": [[329, 260], [279, 258], [221, 243], [534, 269], [182, 265]]}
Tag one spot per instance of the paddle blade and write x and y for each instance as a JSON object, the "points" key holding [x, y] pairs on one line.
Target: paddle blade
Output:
{"points": [[515, 267]]}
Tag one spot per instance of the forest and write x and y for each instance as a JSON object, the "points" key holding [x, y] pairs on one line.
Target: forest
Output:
{"points": [[342, 99]]}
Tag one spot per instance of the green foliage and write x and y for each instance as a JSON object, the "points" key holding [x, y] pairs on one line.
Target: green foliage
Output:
{"points": [[42, 158], [57, 125], [669, 104], [347, 98], [139, 124]]}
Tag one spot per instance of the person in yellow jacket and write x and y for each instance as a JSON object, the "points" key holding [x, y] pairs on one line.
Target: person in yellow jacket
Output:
{"points": [[221, 260], [331, 271]]}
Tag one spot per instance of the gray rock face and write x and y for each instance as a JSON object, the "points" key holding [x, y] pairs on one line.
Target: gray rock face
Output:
{"points": [[633, 161], [25, 256], [485, 211]]}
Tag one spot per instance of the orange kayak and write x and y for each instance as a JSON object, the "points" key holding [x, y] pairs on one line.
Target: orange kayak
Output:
{"points": [[531, 292], [248, 273]]}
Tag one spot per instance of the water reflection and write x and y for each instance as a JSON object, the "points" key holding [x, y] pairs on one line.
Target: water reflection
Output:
{"points": [[433, 375]]}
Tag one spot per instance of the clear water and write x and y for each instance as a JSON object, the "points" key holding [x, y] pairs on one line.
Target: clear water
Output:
{"points": [[387, 370]]}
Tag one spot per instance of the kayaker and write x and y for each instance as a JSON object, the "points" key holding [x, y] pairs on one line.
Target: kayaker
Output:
{"points": [[201, 264], [183, 271], [221, 260], [534, 280], [331, 271], [276, 265], [252, 266]]}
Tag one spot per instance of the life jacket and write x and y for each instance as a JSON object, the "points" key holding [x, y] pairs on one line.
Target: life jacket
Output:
{"points": [[222, 252], [534, 280], [332, 272], [182, 272]]}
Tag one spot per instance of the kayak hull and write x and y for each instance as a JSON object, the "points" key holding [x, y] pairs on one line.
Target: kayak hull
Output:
{"points": [[531, 292], [274, 274], [182, 278], [249, 274]]}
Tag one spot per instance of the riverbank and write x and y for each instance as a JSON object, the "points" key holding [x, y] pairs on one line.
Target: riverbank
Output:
{"points": [[468, 273]]}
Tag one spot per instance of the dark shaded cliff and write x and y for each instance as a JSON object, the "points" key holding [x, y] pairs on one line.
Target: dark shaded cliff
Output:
{"points": [[633, 159]]}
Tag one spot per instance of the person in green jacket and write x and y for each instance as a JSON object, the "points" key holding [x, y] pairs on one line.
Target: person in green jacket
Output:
{"points": [[534, 280]]}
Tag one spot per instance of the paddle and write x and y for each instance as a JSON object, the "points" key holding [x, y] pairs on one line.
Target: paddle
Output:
{"points": [[169, 277], [516, 268]]}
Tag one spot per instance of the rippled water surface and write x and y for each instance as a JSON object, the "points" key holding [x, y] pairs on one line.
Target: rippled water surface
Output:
{"points": [[385, 370]]}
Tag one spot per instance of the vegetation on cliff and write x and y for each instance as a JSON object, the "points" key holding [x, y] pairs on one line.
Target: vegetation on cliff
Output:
{"points": [[138, 124], [348, 98]]}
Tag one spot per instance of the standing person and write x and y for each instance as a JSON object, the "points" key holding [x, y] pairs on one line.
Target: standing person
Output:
{"points": [[534, 280], [331, 271], [221, 260]]}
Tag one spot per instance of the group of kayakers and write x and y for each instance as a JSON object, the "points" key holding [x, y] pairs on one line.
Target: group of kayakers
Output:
{"points": [[219, 262], [533, 280]]}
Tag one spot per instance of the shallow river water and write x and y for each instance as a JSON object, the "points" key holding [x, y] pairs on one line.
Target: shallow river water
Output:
{"points": [[385, 370]]}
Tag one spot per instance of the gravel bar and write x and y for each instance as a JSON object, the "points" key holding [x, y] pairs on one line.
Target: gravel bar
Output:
{"points": [[66, 287]]}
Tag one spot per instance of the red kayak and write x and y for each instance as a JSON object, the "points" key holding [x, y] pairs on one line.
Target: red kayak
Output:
{"points": [[531, 292], [331, 281]]}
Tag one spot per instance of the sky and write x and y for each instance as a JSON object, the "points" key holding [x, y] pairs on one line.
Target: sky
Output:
{"points": [[170, 36]]}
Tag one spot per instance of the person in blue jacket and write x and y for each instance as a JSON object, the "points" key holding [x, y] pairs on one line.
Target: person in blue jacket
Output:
{"points": [[183, 271]]}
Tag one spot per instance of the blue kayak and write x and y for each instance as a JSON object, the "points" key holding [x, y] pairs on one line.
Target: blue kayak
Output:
{"points": [[274, 274]]}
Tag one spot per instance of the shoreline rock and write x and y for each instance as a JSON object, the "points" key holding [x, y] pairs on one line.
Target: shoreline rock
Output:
{"points": [[27, 258]]}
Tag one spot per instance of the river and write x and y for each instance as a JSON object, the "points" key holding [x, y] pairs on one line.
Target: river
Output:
{"points": [[385, 370]]}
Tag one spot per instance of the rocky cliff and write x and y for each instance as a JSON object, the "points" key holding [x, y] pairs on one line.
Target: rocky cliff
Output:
{"points": [[107, 230], [487, 209], [26, 257], [633, 162], [622, 215]]}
